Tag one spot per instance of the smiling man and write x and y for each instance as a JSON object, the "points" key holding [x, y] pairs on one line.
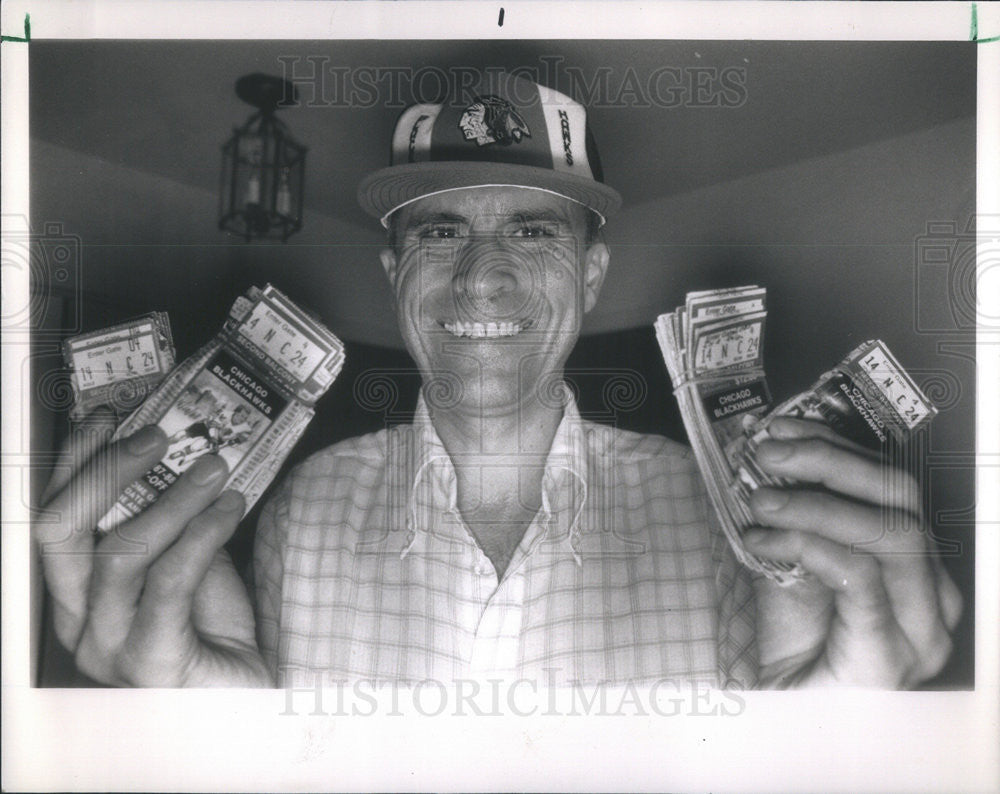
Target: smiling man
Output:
{"points": [[501, 534]]}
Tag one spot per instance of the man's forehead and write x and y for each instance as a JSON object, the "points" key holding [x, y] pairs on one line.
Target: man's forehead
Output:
{"points": [[484, 203]]}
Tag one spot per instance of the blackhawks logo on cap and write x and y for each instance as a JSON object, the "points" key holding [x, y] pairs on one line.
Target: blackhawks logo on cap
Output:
{"points": [[491, 119]]}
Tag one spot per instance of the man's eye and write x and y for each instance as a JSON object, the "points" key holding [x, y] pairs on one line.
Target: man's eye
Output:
{"points": [[534, 231], [440, 232]]}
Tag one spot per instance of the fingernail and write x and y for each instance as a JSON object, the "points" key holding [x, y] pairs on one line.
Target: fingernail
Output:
{"points": [[770, 498], [774, 451], [754, 537], [229, 501], [144, 440], [783, 428], [207, 470]]}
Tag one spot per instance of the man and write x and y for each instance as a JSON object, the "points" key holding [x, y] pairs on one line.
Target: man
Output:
{"points": [[500, 534]]}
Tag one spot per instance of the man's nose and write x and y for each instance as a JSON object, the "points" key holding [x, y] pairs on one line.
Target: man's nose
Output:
{"points": [[488, 272]]}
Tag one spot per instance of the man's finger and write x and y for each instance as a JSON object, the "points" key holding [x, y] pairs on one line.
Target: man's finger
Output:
{"points": [[66, 541], [160, 524], [949, 595], [86, 437], [862, 527], [163, 621], [819, 461], [853, 575], [897, 541], [84, 499], [867, 640], [222, 605], [174, 579], [124, 557], [913, 591], [787, 428]]}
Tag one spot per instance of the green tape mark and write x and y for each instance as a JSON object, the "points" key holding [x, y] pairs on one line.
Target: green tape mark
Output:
{"points": [[27, 32], [974, 29]]}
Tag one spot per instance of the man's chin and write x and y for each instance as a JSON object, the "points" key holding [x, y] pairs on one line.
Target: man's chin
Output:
{"points": [[483, 392]]}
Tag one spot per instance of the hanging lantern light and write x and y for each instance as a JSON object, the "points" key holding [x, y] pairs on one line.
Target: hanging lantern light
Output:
{"points": [[263, 167]]}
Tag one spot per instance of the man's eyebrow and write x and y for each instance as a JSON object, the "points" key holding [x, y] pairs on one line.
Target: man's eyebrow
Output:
{"points": [[539, 215], [424, 218], [419, 219]]}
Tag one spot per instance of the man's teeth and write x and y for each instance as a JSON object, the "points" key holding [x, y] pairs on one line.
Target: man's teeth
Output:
{"points": [[483, 330]]}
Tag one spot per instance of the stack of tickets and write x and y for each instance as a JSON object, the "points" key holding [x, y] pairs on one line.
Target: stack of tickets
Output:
{"points": [[246, 396], [712, 347]]}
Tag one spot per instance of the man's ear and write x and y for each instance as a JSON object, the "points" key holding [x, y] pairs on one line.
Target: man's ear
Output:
{"points": [[390, 263], [595, 268]]}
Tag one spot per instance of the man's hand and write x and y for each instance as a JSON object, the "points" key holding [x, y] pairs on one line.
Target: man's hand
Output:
{"points": [[878, 608], [155, 602]]}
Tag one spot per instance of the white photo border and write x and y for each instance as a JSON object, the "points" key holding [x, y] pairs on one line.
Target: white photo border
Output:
{"points": [[239, 740]]}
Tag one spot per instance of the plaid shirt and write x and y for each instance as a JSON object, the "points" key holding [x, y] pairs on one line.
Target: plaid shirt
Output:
{"points": [[364, 568]]}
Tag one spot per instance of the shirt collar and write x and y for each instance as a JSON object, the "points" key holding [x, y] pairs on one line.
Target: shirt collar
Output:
{"points": [[564, 481]]}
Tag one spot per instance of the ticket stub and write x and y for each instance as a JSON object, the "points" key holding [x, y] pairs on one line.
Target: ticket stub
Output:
{"points": [[724, 333], [728, 343], [719, 304], [868, 399], [119, 366], [247, 396]]}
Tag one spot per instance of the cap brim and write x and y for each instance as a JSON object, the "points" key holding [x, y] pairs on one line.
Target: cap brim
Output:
{"points": [[385, 191]]}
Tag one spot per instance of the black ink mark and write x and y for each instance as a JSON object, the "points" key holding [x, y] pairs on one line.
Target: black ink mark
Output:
{"points": [[500, 21]]}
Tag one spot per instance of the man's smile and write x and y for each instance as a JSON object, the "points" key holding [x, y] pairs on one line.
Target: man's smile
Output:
{"points": [[486, 330]]}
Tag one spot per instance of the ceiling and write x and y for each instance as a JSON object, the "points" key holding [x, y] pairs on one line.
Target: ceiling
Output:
{"points": [[165, 107]]}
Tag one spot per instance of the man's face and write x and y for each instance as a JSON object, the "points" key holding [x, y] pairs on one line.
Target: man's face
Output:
{"points": [[491, 287]]}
